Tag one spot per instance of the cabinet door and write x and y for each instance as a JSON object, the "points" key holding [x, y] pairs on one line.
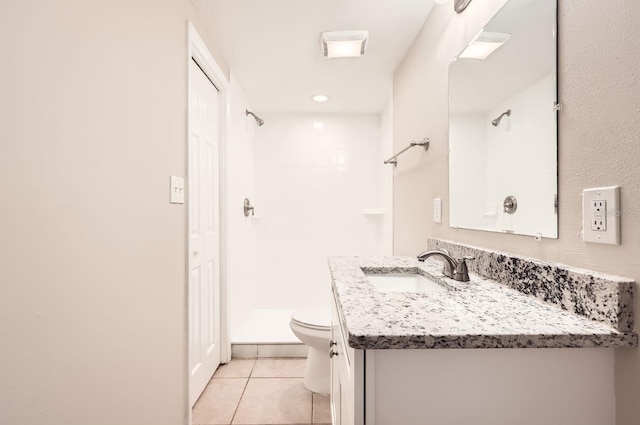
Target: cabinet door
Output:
{"points": [[336, 390], [347, 417], [347, 377]]}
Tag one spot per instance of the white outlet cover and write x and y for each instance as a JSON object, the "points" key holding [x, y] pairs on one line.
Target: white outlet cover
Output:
{"points": [[601, 225], [176, 187]]}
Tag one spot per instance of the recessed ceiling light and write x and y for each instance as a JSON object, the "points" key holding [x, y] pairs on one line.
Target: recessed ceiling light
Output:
{"points": [[344, 44], [320, 98], [484, 44]]}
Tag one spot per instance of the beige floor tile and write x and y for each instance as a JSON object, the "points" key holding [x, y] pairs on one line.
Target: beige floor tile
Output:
{"points": [[274, 401], [279, 368], [236, 368], [219, 401], [321, 409]]}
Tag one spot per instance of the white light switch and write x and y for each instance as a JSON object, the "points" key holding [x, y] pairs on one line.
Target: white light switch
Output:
{"points": [[176, 187], [601, 215], [437, 210]]}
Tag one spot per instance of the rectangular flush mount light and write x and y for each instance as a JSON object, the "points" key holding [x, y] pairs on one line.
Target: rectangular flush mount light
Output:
{"points": [[484, 44], [344, 44]]}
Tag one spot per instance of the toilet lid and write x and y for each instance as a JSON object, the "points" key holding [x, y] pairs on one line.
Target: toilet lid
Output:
{"points": [[313, 317]]}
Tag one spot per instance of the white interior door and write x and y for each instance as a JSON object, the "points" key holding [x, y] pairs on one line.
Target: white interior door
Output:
{"points": [[204, 232]]}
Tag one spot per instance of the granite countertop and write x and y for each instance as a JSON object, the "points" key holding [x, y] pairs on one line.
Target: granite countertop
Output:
{"points": [[481, 313]]}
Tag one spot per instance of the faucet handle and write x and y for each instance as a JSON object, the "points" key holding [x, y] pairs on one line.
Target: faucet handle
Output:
{"points": [[462, 272]]}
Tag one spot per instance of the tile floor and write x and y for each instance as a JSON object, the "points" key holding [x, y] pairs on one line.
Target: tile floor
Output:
{"points": [[260, 392]]}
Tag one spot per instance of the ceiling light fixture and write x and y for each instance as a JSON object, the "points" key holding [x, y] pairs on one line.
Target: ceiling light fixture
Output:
{"points": [[484, 44], [343, 44], [320, 98]]}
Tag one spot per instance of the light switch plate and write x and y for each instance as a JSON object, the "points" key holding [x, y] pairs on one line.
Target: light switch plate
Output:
{"points": [[437, 210], [601, 215], [176, 187]]}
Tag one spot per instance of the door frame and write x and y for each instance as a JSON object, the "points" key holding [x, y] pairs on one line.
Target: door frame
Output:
{"points": [[198, 51]]}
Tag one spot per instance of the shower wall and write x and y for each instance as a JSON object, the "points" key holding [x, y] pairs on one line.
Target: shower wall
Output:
{"points": [[240, 232], [320, 190]]}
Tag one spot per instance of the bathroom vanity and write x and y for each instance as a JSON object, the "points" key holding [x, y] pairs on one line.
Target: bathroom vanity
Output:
{"points": [[530, 344]]}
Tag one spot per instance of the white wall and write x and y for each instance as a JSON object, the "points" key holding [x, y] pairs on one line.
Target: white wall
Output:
{"points": [[599, 56], [241, 241], [315, 175], [93, 321]]}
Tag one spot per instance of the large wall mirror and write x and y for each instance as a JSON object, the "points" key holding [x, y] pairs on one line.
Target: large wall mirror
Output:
{"points": [[503, 124]]}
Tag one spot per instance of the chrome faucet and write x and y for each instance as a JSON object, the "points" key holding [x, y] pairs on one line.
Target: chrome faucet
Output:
{"points": [[455, 269]]}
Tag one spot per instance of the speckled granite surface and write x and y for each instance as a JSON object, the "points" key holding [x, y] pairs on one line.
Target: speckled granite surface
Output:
{"points": [[477, 314], [597, 296]]}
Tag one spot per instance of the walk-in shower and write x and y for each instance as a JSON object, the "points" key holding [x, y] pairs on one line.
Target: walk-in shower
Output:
{"points": [[313, 185]]}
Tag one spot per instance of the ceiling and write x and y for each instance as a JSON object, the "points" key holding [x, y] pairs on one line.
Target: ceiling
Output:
{"points": [[273, 50]]}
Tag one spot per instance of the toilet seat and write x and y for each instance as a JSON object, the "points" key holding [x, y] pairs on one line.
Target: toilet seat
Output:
{"points": [[312, 318]]}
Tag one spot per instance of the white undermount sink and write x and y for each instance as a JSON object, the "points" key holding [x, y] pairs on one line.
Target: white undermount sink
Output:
{"points": [[404, 282]]}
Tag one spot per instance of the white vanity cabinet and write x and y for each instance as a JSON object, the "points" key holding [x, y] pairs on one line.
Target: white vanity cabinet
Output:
{"points": [[481, 352], [347, 381], [559, 386]]}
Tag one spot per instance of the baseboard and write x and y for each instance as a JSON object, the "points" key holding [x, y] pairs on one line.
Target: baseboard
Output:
{"points": [[269, 350]]}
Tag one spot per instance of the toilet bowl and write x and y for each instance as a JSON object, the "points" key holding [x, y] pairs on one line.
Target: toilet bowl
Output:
{"points": [[313, 327]]}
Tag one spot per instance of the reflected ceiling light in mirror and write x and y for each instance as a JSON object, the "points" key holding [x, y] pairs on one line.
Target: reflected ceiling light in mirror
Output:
{"points": [[343, 44], [484, 44], [320, 98], [318, 125]]}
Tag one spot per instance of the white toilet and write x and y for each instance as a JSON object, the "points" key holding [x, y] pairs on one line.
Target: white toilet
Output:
{"points": [[313, 327]]}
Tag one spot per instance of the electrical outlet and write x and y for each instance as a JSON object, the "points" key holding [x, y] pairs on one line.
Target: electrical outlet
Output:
{"points": [[437, 210], [601, 215]]}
